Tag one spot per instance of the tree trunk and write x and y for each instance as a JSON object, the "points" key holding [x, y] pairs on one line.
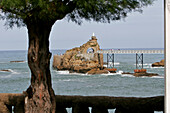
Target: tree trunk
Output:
{"points": [[40, 95]]}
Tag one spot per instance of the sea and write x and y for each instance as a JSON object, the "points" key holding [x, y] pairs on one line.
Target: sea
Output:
{"points": [[17, 78]]}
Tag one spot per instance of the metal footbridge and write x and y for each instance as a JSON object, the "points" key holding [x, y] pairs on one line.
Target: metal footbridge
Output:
{"points": [[131, 51], [139, 55]]}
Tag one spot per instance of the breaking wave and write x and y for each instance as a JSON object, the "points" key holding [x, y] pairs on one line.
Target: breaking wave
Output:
{"points": [[63, 72], [156, 67], [116, 63], [66, 72], [145, 64], [119, 72], [127, 75]]}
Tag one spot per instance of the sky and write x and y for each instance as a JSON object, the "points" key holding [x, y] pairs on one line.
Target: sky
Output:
{"points": [[138, 30]]}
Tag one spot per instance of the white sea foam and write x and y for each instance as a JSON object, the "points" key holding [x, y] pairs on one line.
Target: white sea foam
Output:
{"points": [[108, 74], [116, 63], [79, 74], [145, 64], [110, 63], [13, 72], [156, 67], [148, 65], [8, 76], [119, 72], [86, 74], [157, 77], [71, 80], [127, 75], [105, 65], [67, 80], [68, 73], [9, 71], [153, 67], [63, 72]]}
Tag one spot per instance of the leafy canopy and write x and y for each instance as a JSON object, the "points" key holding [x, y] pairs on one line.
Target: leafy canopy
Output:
{"points": [[18, 11]]}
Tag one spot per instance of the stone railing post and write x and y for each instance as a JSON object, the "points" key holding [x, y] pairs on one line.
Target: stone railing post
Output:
{"points": [[7, 100], [4, 108]]}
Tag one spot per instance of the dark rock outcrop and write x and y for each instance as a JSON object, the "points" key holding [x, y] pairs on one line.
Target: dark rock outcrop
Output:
{"points": [[17, 61], [141, 74], [97, 71], [145, 74], [5, 70], [158, 64], [111, 70]]}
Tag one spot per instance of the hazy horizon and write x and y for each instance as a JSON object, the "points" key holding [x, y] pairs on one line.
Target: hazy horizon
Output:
{"points": [[100, 48]]}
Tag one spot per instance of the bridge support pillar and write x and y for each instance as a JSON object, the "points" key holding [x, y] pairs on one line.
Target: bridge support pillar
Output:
{"points": [[110, 60], [139, 64], [139, 61]]}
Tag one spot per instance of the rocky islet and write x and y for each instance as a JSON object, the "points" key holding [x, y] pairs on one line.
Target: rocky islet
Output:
{"points": [[83, 59]]}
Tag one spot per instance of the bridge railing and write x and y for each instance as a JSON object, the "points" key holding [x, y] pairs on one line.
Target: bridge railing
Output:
{"points": [[81, 104], [131, 51]]}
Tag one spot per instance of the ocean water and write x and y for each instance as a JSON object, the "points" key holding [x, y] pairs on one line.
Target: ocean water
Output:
{"points": [[17, 79]]}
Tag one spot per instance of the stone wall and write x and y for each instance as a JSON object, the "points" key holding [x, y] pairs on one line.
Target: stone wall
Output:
{"points": [[81, 104]]}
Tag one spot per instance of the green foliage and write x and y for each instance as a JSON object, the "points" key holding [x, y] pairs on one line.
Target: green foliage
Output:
{"points": [[105, 10], [18, 11]]}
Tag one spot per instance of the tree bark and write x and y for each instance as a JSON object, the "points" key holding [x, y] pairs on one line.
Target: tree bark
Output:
{"points": [[40, 95]]}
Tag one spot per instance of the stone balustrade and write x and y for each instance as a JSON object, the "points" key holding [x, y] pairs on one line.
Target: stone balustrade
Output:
{"points": [[9, 100], [81, 104]]}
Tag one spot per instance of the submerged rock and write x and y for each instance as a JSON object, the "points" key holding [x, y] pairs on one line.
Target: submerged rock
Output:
{"points": [[145, 74], [5, 70], [81, 59], [17, 61]]}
